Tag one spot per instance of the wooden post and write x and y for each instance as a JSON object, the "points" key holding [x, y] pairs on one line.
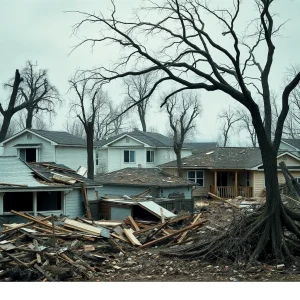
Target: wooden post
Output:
{"points": [[235, 184], [86, 202], [215, 182]]}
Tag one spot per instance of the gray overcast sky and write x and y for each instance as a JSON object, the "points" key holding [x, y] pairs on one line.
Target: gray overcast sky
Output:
{"points": [[39, 30]]}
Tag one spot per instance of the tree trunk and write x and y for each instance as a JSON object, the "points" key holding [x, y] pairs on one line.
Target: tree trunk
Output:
{"points": [[272, 231], [179, 161], [90, 149], [142, 115], [29, 118], [5, 125]]}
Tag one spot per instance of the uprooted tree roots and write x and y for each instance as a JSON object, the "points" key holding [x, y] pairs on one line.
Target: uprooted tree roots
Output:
{"points": [[252, 236]]}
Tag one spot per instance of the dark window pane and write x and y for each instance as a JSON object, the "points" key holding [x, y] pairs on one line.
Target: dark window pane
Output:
{"points": [[132, 159], [126, 156]]}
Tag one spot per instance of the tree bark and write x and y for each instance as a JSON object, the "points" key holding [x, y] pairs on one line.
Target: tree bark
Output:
{"points": [[5, 125], [90, 149], [7, 114], [179, 162], [29, 118], [142, 115]]}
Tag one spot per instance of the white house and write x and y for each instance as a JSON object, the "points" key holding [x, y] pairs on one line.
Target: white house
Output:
{"points": [[135, 149], [32, 145]]}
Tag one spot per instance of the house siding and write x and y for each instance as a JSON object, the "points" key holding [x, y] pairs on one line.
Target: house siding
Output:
{"points": [[122, 143], [46, 152], [72, 157], [74, 206], [102, 166], [135, 190]]}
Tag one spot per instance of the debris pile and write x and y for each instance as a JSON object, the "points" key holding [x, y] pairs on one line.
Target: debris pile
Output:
{"points": [[52, 249]]}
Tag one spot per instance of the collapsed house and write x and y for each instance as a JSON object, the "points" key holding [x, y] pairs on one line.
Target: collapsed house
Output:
{"points": [[41, 188]]}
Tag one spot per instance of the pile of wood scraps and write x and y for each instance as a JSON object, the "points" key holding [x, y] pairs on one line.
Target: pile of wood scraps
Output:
{"points": [[52, 249]]}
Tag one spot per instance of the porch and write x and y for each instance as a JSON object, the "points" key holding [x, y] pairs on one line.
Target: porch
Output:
{"points": [[232, 183]]}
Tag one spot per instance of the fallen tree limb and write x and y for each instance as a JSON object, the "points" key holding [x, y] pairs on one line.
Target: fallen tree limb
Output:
{"points": [[221, 199]]}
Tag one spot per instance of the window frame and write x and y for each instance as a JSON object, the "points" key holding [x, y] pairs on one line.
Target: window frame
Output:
{"points": [[153, 156], [195, 178], [129, 157]]}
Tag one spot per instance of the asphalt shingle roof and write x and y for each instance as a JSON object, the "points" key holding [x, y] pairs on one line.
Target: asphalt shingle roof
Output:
{"points": [[198, 147], [142, 177], [153, 139], [61, 137], [221, 158], [293, 142], [14, 171]]}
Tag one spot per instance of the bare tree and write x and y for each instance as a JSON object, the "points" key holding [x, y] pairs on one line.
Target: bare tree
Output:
{"points": [[89, 101], [37, 92], [245, 125], [182, 111], [12, 108], [223, 60], [137, 87], [227, 117], [75, 127]]}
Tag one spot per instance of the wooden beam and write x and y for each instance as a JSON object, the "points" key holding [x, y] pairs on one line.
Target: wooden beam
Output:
{"points": [[235, 184], [182, 237], [173, 234], [86, 202], [134, 241], [133, 223], [221, 199]]}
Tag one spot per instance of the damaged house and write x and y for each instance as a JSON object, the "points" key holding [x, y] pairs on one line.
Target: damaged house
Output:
{"points": [[41, 188]]}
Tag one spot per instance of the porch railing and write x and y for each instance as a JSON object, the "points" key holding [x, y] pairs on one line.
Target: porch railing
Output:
{"points": [[229, 191]]}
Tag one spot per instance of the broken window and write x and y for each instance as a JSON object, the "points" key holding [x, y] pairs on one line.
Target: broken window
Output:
{"points": [[18, 202], [150, 156], [49, 201], [196, 176], [129, 156]]}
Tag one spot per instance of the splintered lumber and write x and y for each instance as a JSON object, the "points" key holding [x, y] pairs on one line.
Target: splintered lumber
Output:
{"points": [[86, 202], [119, 237], [134, 241], [173, 234], [156, 232], [31, 218], [221, 199], [162, 215], [182, 237], [44, 273], [82, 227], [133, 223]]}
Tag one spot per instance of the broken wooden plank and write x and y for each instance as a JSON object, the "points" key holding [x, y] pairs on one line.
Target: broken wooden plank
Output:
{"points": [[63, 179], [162, 215], [156, 232], [173, 234], [119, 237], [129, 233], [31, 218], [183, 236], [221, 199], [82, 227], [86, 202], [133, 223], [44, 273]]}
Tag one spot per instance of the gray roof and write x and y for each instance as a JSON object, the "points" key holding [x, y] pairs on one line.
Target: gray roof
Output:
{"points": [[198, 147], [60, 137], [221, 158], [142, 177], [152, 139], [14, 171], [293, 142]]}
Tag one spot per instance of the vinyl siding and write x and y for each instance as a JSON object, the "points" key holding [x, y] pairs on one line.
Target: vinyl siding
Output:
{"points": [[288, 160], [72, 157], [135, 190], [103, 161], [74, 206], [46, 152]]}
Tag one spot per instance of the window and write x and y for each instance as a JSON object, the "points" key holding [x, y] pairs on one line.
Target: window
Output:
{"points": [[129, 156], [196, 176], [97, 159], [150, 156], [28, 155]]}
